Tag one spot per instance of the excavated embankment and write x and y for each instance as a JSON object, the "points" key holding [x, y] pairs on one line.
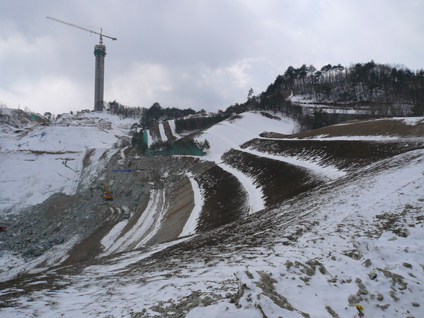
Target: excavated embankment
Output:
{"points": [[343, 154], [84, 219], [225, 199], [136, 180], [279, 180]]}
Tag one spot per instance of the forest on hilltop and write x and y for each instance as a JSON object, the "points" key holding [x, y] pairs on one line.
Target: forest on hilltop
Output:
{"points": [[387, 90], [372, 89]]}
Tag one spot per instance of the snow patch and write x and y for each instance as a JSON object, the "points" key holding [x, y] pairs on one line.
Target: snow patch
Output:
{"points": [[191, 224]]}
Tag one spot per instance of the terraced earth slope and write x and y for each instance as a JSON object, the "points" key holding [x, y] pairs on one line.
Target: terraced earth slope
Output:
{"points": [[252, 229]]}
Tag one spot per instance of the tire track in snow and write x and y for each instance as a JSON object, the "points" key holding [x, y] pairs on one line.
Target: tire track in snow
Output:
{"points": [[146, 226]]}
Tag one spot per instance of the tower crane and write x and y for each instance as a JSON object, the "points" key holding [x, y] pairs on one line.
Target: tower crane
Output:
{"points": [[99, 53]]}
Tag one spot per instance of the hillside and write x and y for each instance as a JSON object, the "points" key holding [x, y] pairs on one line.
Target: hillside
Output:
{"points": [[382, 89], [266, 219]]}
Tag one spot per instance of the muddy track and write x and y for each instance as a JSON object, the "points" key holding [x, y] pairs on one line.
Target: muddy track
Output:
{"points": [[155, 133], [180, 204], [168, 131]]}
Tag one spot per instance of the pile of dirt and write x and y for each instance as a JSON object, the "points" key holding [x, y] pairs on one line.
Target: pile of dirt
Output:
{"points": [[16, 120]]}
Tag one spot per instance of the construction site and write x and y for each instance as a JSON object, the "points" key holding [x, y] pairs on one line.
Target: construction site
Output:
{"points": [[88, 203]]}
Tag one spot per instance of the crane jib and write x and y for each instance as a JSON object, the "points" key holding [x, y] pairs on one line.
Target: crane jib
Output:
{"points": [[85, 29], [99, 53]]}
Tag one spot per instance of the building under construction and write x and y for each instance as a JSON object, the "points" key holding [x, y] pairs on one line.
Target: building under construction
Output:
{"points": [[99, 75]]}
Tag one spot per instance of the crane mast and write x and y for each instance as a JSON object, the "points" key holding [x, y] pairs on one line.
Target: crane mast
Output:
{"points": [[100, 54]]}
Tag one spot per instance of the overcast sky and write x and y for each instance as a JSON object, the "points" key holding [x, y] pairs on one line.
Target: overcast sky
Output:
{"points": [[198, 54]]}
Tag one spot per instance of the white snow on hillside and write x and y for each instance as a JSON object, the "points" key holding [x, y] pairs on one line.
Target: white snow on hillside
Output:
{"points": [[232, 133], [191, 224], [162, 132], [333, 222], [42, 160], [329, 172], [310, 103], [145, 228], [411, 120], [340, 227], [172, 126]]}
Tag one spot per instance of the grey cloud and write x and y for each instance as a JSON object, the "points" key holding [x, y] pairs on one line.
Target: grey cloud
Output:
{"points": [[199, 54]]}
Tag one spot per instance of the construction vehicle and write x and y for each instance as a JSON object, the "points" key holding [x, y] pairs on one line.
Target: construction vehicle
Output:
{"points": [[107, 194]]}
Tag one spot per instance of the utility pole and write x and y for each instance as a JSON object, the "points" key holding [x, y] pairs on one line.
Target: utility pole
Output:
{"points": [[99, 75]]}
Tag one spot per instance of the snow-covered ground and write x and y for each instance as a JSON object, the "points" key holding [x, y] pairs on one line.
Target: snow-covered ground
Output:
{"points": [[191, 224], [147, 225], [222, 137], [344, 253], [162, 132], [356, 240], [230, 134], [329, 172], [42, 160], [311, 103]]}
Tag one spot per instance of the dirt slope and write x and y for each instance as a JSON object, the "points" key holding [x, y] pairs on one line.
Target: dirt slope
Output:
{"points": [[376, 127], [343, 154], [279, 180], [227, 235]]}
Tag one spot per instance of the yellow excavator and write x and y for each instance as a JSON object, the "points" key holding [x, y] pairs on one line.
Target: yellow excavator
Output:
{"points": [[107, 194]]}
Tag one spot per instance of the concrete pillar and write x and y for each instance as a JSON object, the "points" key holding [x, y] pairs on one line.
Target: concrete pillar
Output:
{"points": [[99, 53]]}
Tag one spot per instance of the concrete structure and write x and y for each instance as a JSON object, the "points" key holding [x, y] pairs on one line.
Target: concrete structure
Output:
{"points": [[100, 54]]}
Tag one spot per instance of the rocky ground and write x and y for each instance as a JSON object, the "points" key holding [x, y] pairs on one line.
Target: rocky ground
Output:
{"points": [[342, 241], [302, 248]]}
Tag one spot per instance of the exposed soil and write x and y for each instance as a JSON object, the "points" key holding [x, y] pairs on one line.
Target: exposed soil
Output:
{"points": [[52, 223], [181, 203], [168, 131], [279, 180], [87, 158], [225, 199], [219, 237], [136, 214], [155, 133], [376, 127], [90, 246], [344, 154], [61, 217]]}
